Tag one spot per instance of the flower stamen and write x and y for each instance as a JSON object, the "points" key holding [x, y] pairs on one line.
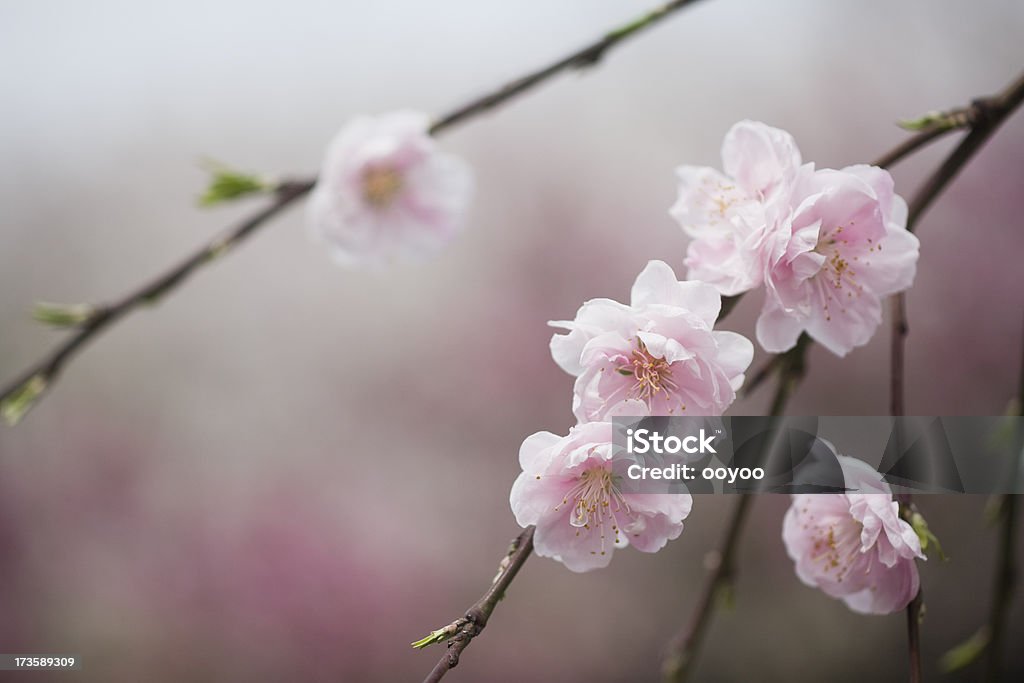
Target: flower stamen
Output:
{"points": [[381, 184]]}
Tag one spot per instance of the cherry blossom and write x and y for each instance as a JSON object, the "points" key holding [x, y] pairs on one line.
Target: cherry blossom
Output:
{"points": [[844, 248], [387, 192], [729, 214], [660, 350], [826, 244], [570, 490], [854, 546]]}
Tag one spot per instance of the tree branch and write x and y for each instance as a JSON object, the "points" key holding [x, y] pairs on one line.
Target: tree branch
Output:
{"points": [[582, 58], [461, 631], [19, 395], [684, 647], [46, 371], [1005, 581], [990, 113], [986, 117]]}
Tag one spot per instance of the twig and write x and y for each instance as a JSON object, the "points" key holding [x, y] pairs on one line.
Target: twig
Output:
{"points": [[46, 371], [1005, 580], [933, 127], [905, 500], [582, 58], [684, 647], [900, 329], [914, 612], [990, 114], [461, 631], [987, 116], [1002, 587], [29, 386]]}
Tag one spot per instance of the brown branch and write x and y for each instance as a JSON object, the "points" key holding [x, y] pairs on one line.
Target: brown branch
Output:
{"points": [[1005, 581], [460, 632], [684, 647], [721, 563], [914, 614], [900, 329], [986, 117], [46, 371], [990, 114], [936, 126], [28, 387], [582, 58], [1002, 587]]}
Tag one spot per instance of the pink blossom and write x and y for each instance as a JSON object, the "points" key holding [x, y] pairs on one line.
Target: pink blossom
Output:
{"points": [[728, 215], [855, 546], [660, 350], [387, 192], [569, 489], [828, 266]]}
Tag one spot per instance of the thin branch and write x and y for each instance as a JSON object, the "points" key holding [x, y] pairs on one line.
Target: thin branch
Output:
{"points": [[1002, 587], [900, 329], [991, 113], [46, 371], [936, 126], [914, 615], [766, 370], [905, 500], [684, 647], [29, 386], [987, 116], [1005, 581], [582, 58], [460, 632]]}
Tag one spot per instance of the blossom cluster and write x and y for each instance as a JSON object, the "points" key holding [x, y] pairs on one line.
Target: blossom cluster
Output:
{"points": [[658, 355], [825, 245]]}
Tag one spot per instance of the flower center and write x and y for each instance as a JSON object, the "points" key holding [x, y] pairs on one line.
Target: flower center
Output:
{"points": [[839, 277], [595, 499], [381, 184], [837, 546], [652, 375]]}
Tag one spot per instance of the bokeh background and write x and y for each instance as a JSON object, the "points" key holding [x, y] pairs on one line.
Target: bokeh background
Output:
{"points": [[289, 471]]}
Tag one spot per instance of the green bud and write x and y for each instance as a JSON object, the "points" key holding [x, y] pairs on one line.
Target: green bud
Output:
{"points": [[227, 184], [14, 407], [726, 596], [966, 652], [63, 315], [436, 636], [932, 118], [925, 534]]}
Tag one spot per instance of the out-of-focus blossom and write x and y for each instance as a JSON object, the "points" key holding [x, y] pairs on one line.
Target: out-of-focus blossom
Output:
{"points": [[570, 490], [854, 546], [387, 192], [845, 247], [660, 350], [728, 215], [828, 245]]}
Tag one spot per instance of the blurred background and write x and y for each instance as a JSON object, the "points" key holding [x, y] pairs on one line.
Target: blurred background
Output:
{"points": [[291, 471]]}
